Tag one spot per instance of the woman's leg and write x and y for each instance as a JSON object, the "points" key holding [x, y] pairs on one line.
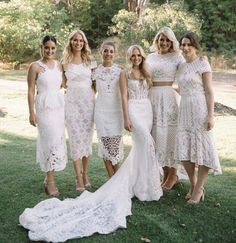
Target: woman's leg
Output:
{"points": [[109, 167], [171, 180], [79, 178], [166, 173], [198, 191], [190, 169], [85, 163], [116, 167], [50, 185]]}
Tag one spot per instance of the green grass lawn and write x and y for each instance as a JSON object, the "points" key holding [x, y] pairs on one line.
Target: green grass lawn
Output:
{"points": [[168, 220]]}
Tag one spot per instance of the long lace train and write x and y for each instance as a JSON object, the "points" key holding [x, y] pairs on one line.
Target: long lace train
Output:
{"points": [[105, 210]]}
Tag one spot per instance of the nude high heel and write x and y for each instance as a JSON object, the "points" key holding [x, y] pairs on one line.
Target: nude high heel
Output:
{"points": [[86, 181], [201, 199], [166, 188], [79, 185], [47, 184]]}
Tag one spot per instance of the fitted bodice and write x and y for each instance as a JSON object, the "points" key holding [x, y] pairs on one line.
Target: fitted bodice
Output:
{"points": [[137, 89], [48, 88], [78, 75], [107, 85], [189, 77], [164, 66], [50, 79]]}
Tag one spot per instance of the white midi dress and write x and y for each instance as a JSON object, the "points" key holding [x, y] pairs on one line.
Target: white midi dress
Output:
{"points": [[105, 210], [108, 113], [49, 104], [193, 142], [79, 110], [165, 101]]}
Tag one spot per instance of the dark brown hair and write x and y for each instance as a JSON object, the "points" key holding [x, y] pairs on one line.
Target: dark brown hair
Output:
{"points": [[49, 38], [193, 40]]}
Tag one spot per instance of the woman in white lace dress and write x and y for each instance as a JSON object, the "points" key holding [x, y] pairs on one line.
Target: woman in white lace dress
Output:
{"points": [[194, 140], [46, 76], [79, 104], [105, 210], [164, 63], [108, 109]]}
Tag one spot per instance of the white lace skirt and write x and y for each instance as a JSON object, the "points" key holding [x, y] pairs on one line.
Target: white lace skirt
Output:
{"points": [[51, 146], [79, 110], [193, 142], [165, 117], [109, 126]]}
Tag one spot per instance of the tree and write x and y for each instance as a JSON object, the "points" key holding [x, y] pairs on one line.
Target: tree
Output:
{"points": [[22, 25], [132, 29]]}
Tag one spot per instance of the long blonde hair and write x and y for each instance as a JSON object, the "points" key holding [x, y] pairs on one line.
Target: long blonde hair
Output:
{"points": [[168, 32], [85, 52], [143, 65]]}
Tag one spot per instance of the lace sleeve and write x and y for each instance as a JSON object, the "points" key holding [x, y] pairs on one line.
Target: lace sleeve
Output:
{"points": [[204, 67]]}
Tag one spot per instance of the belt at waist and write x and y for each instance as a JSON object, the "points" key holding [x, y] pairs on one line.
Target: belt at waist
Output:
{"points": [[156, 84]]}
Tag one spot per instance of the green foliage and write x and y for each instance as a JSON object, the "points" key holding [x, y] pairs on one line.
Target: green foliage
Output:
{"points": [[218, 23], [24, 22], [93, 17], [142, 30]]}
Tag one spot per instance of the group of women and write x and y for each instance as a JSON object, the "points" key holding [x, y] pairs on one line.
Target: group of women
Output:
{"points": [[140, 98]]}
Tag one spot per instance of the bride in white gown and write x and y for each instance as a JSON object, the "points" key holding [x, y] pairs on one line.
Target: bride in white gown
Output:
{"points": [[105, 210]]}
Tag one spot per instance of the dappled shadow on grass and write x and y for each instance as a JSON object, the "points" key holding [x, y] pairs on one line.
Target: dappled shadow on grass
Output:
{"points": [[3, 112], [221, 109], [168, 220]]}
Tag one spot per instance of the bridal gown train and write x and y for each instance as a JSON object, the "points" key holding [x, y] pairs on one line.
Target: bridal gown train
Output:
{"points": [[106, 209]]}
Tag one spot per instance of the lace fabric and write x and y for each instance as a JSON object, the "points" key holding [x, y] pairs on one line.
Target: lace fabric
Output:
{"points": [[111, 148], [105, 210], [108, 113], [164, 66], [79, 110], [49, 104], [193, 141]]}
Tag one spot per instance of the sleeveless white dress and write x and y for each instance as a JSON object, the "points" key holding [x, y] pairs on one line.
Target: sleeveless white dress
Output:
{"points": [[193, 142], [49, 106], [105, 210], [79, 108], [165, 101], [108, 113]]}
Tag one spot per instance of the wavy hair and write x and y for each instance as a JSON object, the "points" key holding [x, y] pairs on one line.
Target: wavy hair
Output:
{"points": [[143, 65], [168, 32], [85, 52]]}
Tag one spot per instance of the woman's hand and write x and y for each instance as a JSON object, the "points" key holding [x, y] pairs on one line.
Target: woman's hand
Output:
{"points": [[128, 125], [210, 123], [33, 120]]}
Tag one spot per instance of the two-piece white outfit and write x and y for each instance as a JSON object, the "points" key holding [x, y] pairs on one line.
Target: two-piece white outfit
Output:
{"points": [[49, 105], [79, 109], [108, 113], [105, 210], [165, 102], [193, 142]]}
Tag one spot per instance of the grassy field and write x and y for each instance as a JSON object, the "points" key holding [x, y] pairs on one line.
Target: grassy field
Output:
{"points": [[168, 220]]}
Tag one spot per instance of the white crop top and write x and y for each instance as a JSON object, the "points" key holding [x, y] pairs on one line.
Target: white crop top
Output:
{"points": [[164, 66]]}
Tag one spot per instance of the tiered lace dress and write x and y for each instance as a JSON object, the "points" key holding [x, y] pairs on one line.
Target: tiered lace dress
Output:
{"points": [[108, 113], [49, 105], [105, 210], [165, 101], [193, 142], [79, 109]]}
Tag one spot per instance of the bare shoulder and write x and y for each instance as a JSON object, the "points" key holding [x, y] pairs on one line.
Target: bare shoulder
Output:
{"points": [[34, 67]]}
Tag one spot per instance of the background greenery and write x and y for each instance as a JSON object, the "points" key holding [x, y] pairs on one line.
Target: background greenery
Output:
{"points": [[24, 22]]}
